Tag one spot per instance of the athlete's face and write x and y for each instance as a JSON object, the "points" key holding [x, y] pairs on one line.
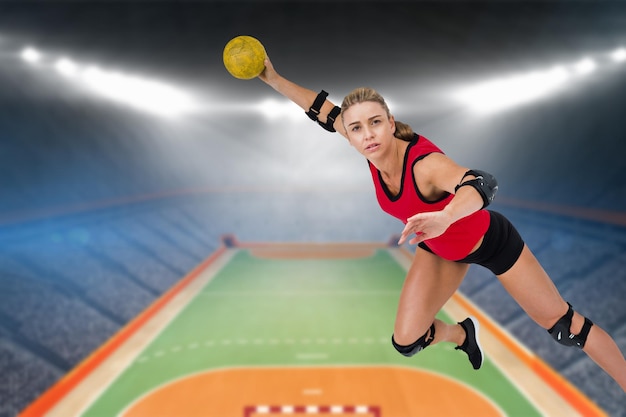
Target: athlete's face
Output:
{"points": [[369, 128]]}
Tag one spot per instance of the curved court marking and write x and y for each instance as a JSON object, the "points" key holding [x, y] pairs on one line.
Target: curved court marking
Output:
{"points": [[396, 390]]}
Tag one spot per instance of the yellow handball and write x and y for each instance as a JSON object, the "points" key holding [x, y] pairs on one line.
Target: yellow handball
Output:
{"points": [[244, 56]]}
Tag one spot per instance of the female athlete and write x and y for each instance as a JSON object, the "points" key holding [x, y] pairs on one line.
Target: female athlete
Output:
{"points": [[442, 205]]}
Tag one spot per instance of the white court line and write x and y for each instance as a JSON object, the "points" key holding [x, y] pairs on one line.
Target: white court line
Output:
{"points": [[273, 342]]}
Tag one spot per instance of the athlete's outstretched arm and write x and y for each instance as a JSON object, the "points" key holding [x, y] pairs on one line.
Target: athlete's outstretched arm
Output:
{"points": [[301, 96]]}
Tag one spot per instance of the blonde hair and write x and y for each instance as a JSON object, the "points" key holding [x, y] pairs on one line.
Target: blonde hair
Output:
{"points": [[364, 94]]}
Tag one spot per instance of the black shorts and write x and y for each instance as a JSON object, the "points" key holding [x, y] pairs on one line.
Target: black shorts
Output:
{"points": [[500, 249]]}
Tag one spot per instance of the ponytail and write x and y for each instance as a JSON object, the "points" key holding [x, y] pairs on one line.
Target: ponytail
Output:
{"points": [[404, 132]]}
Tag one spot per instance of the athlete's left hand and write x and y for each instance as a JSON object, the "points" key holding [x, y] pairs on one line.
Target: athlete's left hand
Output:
{"points": [[425, 226]]}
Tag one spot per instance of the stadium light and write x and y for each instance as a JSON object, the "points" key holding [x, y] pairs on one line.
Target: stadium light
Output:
{"points": [[506, 92], [66, 66], [142, 93], [619, 55], [274, 109], [585, 66], [30, 55]]}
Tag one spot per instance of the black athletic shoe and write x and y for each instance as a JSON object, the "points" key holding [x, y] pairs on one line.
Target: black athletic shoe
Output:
{"points": [[471, 345]]}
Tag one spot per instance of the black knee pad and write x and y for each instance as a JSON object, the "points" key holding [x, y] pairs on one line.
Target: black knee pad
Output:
{"points": [[415, 347], [562, 334]]}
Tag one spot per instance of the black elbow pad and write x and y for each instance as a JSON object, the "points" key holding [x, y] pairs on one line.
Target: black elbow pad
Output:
{"points": [[485, 183], [315, 108]]}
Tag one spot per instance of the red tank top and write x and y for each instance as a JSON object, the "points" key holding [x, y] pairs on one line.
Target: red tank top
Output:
{"points": [[461, 237]]}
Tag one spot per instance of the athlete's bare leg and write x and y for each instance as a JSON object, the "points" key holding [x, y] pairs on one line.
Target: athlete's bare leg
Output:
{"points": [[532, 288], [430, 282]]}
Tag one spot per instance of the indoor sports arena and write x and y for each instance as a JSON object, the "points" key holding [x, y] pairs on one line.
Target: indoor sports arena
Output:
{"points": [[176, 241]]}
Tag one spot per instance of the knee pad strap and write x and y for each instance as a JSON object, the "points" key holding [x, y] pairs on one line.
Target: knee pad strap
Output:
{"points": [[417, 346], [562, 334]]}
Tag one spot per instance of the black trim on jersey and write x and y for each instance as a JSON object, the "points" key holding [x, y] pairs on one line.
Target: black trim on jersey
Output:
{"points": [[421, 197], [391, 197], [394, 198]]}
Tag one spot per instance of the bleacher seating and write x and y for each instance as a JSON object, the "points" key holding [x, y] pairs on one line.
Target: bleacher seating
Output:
{"points": [[24, 377]]}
